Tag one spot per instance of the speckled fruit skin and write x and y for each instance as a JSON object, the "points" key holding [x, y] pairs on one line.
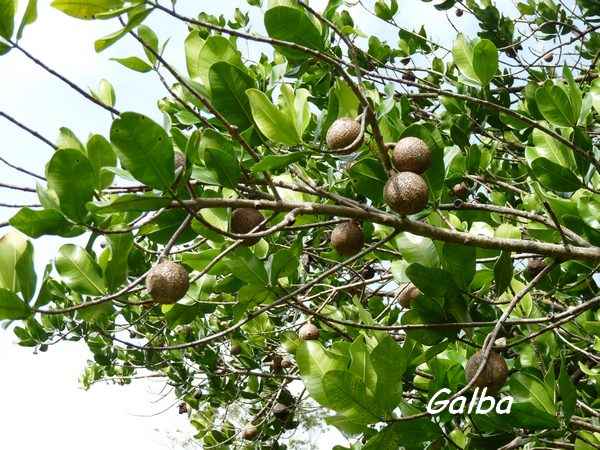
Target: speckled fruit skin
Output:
{"points": [[347, 238], [342, 133], [179, 159], [408, 295], [494, 373], [406, 193], [167, 282], [244, 220], [411, 154], [309, 332]]}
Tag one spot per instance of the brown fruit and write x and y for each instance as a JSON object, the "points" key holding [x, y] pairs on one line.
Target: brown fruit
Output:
{"points": [[235, 349], [167, 282], [459, 12], [535, 266], [494, 373], [287, 363], [408, 295], [347, 238], [411, 154], [180, 160], [250, 433], [460, 190], [243, 221], [368, 272], [342, 134], [548, 57], [281, 411], [409, 76], [309, 332], [406, 193], [182, 408]]}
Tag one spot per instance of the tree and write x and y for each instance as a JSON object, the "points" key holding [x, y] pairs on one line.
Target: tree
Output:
{"points": [[459, 187]]}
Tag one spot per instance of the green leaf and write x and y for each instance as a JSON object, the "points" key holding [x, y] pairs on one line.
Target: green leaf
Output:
{"points": [[595, 93], [149, 38], [503, 272], [144, 149], [347, 394], [105, 42], [134, 63], [71, 176], [117, 266], [555, 105], [68, 139], [29, 17], [36, 223], [568, 393], [129, 203], [361, 365], [12, 246], [26, 273], [485, 61], [275, 125], [368, 177], [462, 52], [101, 154], [459, 260], [244, 265], [273, 162], [421, 277], [550, 148], [79, 271], [313, 363], [86, 9], [416, 248], [390, 362], [554, 176], [105, 93], [12, 307], [526, 387], [588, 207], [225, 164], [228, 85], [201, 54], [287, 22], [8, 9]]}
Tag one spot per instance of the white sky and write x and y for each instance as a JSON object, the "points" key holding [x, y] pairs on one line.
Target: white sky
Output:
{"points": [[41, 404]]}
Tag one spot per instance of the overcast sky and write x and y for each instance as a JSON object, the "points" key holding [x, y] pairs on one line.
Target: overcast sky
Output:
{"points": [[41, 403]]}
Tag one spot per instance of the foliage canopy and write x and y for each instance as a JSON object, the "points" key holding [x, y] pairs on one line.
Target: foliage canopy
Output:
{"points": [[503, 257]]}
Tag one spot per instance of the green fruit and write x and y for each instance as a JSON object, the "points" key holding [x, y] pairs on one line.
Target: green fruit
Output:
{"points": [[406, 193], [347, 238], [411, 154], [243, 221], [167, 282], [495, 371], [342, 134]]}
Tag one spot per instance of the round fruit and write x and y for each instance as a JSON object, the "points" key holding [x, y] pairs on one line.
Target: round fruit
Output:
{"points": [[548, 57], [406, 193], [250, 433], [495, 371], [460, 190], [167, 282], [287, 363], [342, 134], [235, 349], [409, 76], [459, 12], [309, 332], [535, 266], [411, 154], [243, 221], [347, 238], [368, 272], [408, 295], [280, 411]]}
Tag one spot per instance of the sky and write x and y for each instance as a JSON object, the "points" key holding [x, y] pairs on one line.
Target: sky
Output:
{"points": [[41, 403]]}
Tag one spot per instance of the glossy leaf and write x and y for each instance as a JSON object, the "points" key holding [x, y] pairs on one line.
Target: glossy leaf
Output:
{"points": [[79, 271]]}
